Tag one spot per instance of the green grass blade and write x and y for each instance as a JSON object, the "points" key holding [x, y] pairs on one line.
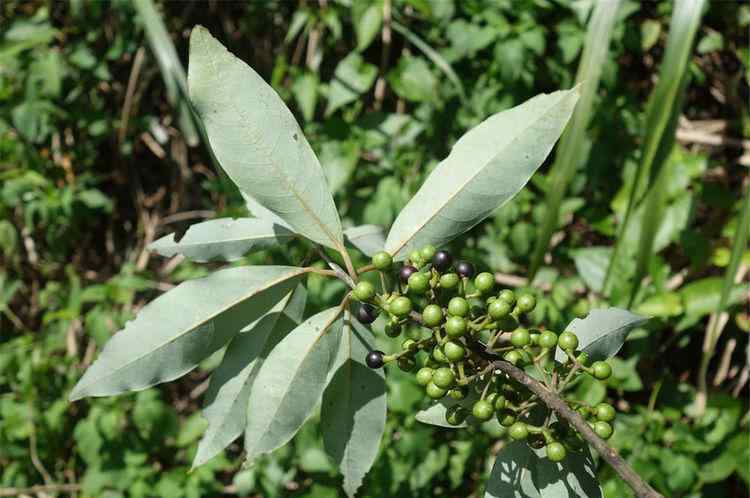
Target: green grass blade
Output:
{"points": [[571, 151], [738, 248], [171, 68]]}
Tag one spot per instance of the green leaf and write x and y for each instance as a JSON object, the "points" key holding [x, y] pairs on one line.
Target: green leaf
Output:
{"points": [[225, 239], [339, 160], [522, 472], [229, 390], [258, 142], [352, 78], [182, 327], [487, 166], [435, 414], [369, 239], [703, 296], [591, 263], [305, 90], [413, 80], [353, 412], [663, 305], [602, 333], [367, 17], [290, 382]]}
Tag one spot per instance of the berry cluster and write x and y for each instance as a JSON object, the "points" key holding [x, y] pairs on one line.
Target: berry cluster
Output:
{"points": [[471, 325]]}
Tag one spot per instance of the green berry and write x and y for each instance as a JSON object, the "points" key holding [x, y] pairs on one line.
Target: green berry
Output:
{"points": [[601, 370], [455, 326], [498, 309], [508, 296], [427, 252], [438, 355], [482, 410], [416, 258], [456, 415], [555, 451], [518, 431], [484, 282], [512, 357], [449, 281], [443, 378], [548, 339], [406, 363], [581, 308], [584, 411], [506, 418], [491, 397], [453, 351], [392, 329], [520, 338], [382, 261], [424, 376], [419, 283], [364, 291], [605, 412], [401, 306], [500, 403], [603, 429], [409, 345], [458, 393], [432, 315], [434, 392], [526, 302], [458, 306], [567, 341], [583, 358]]}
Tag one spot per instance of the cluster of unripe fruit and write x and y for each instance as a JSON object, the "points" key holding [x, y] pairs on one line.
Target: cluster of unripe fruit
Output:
{"points": [[472, 324]]}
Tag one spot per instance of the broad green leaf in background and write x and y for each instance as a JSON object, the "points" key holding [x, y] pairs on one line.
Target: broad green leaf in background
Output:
{"points": [[522, 472], [182, 327], [290, 383], [591, 263], [352, 78], [602, 333], [487, 166], [413, 80], [305, 90], [353, 411], [229, 390], [258, 142], [367, 17], [257, 210], [224, 238], [369, 239], [339, 160]]}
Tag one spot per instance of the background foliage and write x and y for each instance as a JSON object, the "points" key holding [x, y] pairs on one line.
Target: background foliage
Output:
{"points": [[99, 157]]}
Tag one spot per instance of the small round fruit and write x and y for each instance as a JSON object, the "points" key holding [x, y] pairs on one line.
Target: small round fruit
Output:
{"points": [[416, 258], [500, 403], [583, 358], [442, 260], [555, 451], [367, 313], [548, 339], [603, 429], [382, 261], [584, 411], [506, 418], [374, 359], [567, 341], [449, 281], [484, 282], [427, 252], [526, 303], [406, 363], [419, 283], [518, 431], [458, 393], [482, 410], [409, 345], [581, 308], [512, 357], [508, 296], [458, 306], [465, 269], [455, 326], [438, 355], [453, 351], [405, 272], [605, 412], [601, 370], [364, 291], [432, 315], [456, 415], [444, 377], [435, 392], [392, 329], [401, 306], [498, 309], [424, 376], [520, 338]]}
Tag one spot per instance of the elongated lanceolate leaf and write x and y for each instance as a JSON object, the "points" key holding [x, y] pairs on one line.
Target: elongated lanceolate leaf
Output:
{"points": [[435, 414], [229, 390], [182, 327], [523, 472], [486, 167], [290, 383], [367, 238], [352, 416], [224, 238], [258, 142], [602, 333]]}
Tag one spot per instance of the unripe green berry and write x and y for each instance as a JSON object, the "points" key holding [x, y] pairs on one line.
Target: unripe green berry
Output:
{"points": [[435, 392], [605, 412], [419, 283], [518, 431], [458, 306], [455, 326], [416, 258], [601, 370], [453, 351], [382, 261], [483, 410], [409, 345], [581, 308], [427, 252], [456, 415], [520, 338], [438, 355], [555, 451], [512, 357], [603, 429], [424, 376], [547, 339], [567, 341], [364, 291], [458, 393], [500, 403], [583, 358], [526, 303], [401, 306], [406, 363], [498, 309], [506, 418], [491, 397], [444, 378], [432, 315], [508, 296], [392, 329], [484, 282], [449, 281]]}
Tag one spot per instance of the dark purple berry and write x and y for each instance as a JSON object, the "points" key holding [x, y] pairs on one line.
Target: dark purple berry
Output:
{"points": [[374, 359], [366, 313], [442, 260], [465, 269], [406, 272]]}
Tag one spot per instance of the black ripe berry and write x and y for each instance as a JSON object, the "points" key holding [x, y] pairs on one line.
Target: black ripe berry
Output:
{"points": [[406, 272], [465, 269], [442, 260], [374, 359], [366, 313]]}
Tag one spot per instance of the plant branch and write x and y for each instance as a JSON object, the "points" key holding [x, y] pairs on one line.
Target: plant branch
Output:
{"points": [[340, 273]]}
